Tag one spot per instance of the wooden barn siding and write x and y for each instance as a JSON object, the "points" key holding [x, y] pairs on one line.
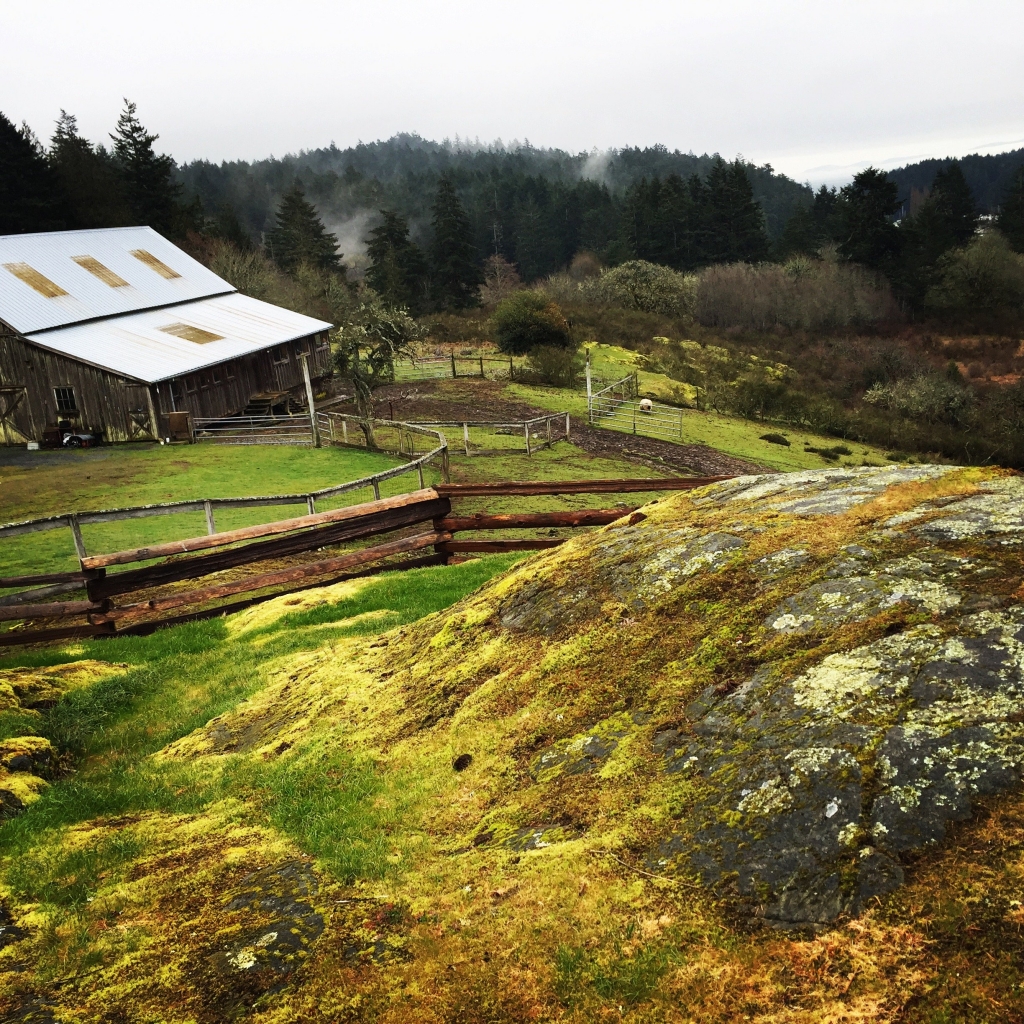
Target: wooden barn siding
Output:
{"points": [[105, 400], [253, 374]]}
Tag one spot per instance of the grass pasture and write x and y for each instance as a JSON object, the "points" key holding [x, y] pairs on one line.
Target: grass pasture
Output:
{"points": [[34, 484]]}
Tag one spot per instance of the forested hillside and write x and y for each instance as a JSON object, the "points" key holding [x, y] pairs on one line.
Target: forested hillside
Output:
{"points": [[536, 207], [988, 176]]}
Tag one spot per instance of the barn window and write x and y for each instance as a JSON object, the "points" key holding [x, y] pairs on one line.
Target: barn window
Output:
{"points": [[175, 391], [229, 371], [154, 264], [217, 376], [302, 347], [191, 385], [204, 380], [65, 399], [279, 353], [322, 340]]}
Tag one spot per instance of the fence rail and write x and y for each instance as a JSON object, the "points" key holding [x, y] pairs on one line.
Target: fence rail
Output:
{"points": [[74, 521], [645, 417], [493, 437], [254, 429], [125, 602]]}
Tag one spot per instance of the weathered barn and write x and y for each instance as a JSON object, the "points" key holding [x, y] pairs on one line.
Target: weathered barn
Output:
{"points": [[111, 330]]}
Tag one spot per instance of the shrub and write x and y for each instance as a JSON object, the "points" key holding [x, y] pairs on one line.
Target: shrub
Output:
{"points": [[644, 286], [527, 320], [928, 396], [560, 367], [981, 284], [501, 279], [775, 439], [803, 294]]}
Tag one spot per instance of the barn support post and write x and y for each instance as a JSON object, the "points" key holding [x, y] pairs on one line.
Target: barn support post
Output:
{"points": [[154, 423], [76, 536], [208, 509], [313, 425]]}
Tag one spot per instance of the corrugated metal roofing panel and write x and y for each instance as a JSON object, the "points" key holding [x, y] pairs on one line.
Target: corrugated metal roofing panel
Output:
{"points": [[58, 257], [138, 345]]}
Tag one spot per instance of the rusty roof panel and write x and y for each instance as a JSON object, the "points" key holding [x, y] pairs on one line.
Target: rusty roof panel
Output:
{"points": [[36, 281], [139, 345], [105, 274], [84, 293]]}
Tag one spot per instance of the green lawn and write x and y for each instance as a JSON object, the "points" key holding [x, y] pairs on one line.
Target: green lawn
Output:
{"points": [[125, 475]]}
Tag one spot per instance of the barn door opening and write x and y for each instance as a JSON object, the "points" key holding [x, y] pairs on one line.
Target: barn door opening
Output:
{"points": [[11, 396]]}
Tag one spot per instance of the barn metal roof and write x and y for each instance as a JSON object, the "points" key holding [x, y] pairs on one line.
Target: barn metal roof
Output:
{"points": [[55, 278], [161, 343]]}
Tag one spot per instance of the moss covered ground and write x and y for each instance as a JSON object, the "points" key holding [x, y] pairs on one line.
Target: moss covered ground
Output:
{"points": [[413, 799]]}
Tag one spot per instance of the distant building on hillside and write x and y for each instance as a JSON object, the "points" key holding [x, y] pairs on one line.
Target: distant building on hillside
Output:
{"points": [[112, 330]]}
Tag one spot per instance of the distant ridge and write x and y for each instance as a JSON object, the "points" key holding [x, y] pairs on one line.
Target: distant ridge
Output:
{"points": [[987, 175]]}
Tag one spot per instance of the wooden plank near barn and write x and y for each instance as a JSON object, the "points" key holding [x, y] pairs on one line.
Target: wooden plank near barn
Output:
{"points": [[500, 545], [531, 520], [333, 533], [274, 579], [604, 486], [215, 540]]}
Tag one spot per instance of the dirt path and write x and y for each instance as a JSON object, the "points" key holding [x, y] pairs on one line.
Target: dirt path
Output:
{"points": [[484, 400]]}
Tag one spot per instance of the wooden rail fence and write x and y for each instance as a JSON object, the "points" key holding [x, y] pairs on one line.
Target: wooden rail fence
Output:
{"points": [[135, 600]]}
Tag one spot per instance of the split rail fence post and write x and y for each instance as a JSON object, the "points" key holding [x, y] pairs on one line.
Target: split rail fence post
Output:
{"points": [[344, 430], [376, 489], [465, 436], [590, 395], [680, 426], [454, 371], [481, 367], [419, 469], [208, 509], [309, 399], [311, 504], [526, 431], [76, 536], [567, 426], [548, 425]]}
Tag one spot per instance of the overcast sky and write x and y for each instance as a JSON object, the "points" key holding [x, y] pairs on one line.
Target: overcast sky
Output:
{"points": [[817, 89]]}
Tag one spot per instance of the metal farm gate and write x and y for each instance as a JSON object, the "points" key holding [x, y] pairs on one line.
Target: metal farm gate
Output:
{"points": [[254, 429]]}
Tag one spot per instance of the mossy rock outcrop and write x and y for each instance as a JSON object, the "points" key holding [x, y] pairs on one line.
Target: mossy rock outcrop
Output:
{"points": [[703, 763]]}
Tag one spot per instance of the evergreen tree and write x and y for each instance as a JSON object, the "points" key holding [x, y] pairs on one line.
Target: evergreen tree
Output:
{"points": [[736, 228], [946, 220], [151, 192], [398, 268], [1011, 213], [89, 178], [455, 270], [810, 229], [30, 196], [869, 235], [299, 236]]}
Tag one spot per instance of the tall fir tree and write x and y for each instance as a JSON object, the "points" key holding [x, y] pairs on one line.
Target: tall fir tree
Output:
{"points": [[736, 227], [812, 228], [151, 192], [868, 234], [89, 177], [398, 267], [454, 268], [30, 194], [946, 220], [1011, 212], [299, 236]]}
